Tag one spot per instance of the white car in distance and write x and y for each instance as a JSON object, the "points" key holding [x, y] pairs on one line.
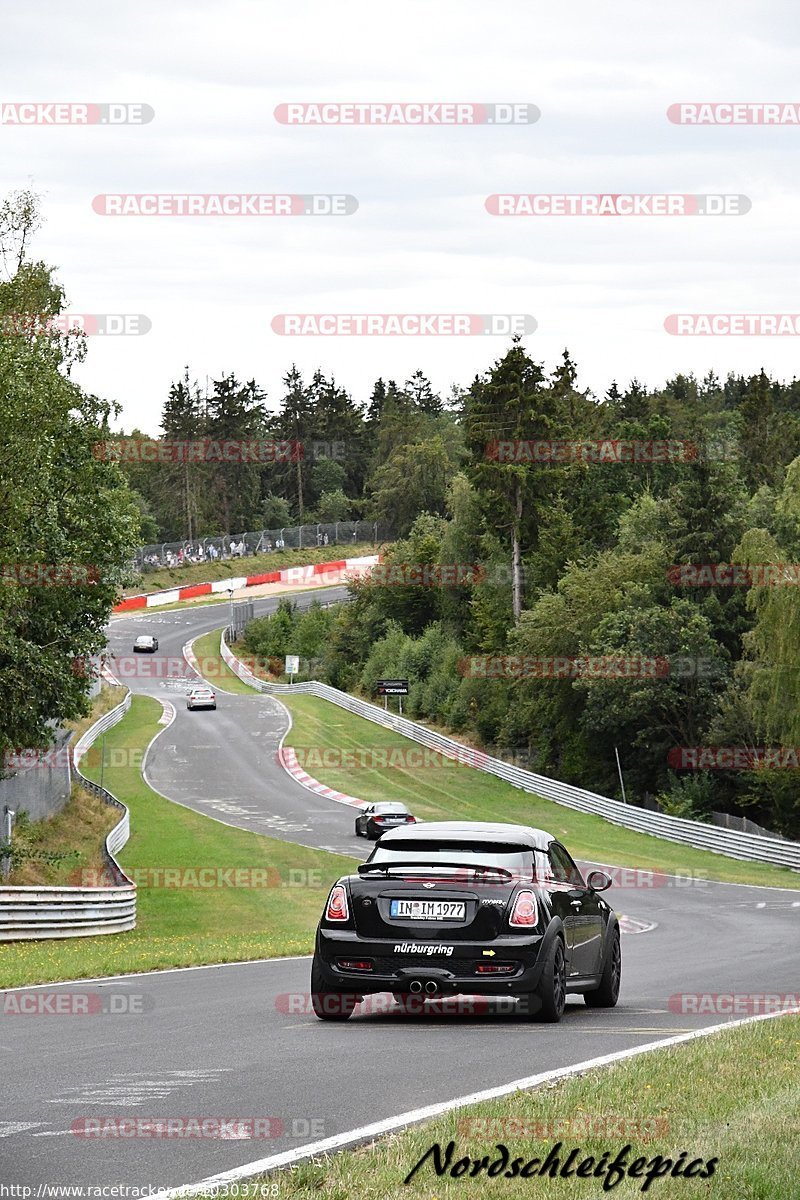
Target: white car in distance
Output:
{"points": [[201, 697], [145, 644]]}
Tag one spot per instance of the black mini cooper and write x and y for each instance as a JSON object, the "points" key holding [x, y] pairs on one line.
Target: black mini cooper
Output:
{"points": [[473, 908]]}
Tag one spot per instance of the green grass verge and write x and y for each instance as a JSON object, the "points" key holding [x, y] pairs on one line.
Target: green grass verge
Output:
{"points": [[185, 925], [233, 568], [703, 1097], [445, 790], [212, 668]]}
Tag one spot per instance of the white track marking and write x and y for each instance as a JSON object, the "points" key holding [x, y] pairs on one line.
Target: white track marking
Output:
{"points": [[132, 1090], [9, 1128]]}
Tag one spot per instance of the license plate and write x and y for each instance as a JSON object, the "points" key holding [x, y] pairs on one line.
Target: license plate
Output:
{"points": [[428, 910]]}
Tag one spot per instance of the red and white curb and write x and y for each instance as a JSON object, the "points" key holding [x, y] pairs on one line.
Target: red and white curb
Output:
{"points": [[291, 577], [190, 656], [288, 760], [632, 925]]}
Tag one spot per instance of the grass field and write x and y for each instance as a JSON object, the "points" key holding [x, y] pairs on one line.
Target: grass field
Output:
{"points": [[443, 790], [212, 668], [234, 568], [269, 909], [703, 1098]]}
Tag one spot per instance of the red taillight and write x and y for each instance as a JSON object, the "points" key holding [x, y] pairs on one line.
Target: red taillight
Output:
{"points": [[337, 904], [525, 912], [356, 964], [495, 968], [411, 820]]}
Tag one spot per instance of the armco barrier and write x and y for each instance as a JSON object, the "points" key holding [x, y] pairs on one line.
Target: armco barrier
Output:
{"points": [[733, 842], [29, 913]]}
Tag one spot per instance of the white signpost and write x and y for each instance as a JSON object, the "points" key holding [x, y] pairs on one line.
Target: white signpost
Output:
{"points": [[292, 665]]}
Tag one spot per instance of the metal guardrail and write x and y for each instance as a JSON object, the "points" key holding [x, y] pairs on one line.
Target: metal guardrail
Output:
{"points": [[733, 842], [29, 913]]}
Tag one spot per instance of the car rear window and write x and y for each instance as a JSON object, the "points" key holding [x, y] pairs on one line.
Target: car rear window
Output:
{"points": [[518, 860]]}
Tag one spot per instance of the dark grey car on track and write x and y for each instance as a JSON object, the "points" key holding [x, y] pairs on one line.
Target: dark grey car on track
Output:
{"points": [[377, 819], [474, 908]]}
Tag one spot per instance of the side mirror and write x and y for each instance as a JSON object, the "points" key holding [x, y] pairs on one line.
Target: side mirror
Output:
{"points": [[598, 881]]}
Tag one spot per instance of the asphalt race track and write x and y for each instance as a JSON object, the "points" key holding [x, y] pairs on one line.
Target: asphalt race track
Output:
{"points": [[238, 1042], [223, 763]]}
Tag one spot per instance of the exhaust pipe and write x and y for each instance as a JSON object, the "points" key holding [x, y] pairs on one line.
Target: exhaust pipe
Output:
{"points": [[416, 986], [431, 987]]}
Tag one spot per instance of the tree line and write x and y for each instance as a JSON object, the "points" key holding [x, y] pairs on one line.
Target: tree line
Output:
{"points": [[605, 561], [327, 456]]}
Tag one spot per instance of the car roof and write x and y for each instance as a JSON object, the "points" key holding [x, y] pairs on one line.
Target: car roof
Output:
{"points": [[145, 637], [474, 832], [389, 806], [200, 687]]}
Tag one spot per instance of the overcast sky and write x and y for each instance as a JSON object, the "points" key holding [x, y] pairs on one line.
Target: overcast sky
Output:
{"points": [[421, 241]]}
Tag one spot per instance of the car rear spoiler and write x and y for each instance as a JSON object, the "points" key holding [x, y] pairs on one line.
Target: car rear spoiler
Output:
{"points": [[385, 868]]}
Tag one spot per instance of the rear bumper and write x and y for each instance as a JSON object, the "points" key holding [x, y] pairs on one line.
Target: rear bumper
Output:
{"points": [[452, 969]]}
